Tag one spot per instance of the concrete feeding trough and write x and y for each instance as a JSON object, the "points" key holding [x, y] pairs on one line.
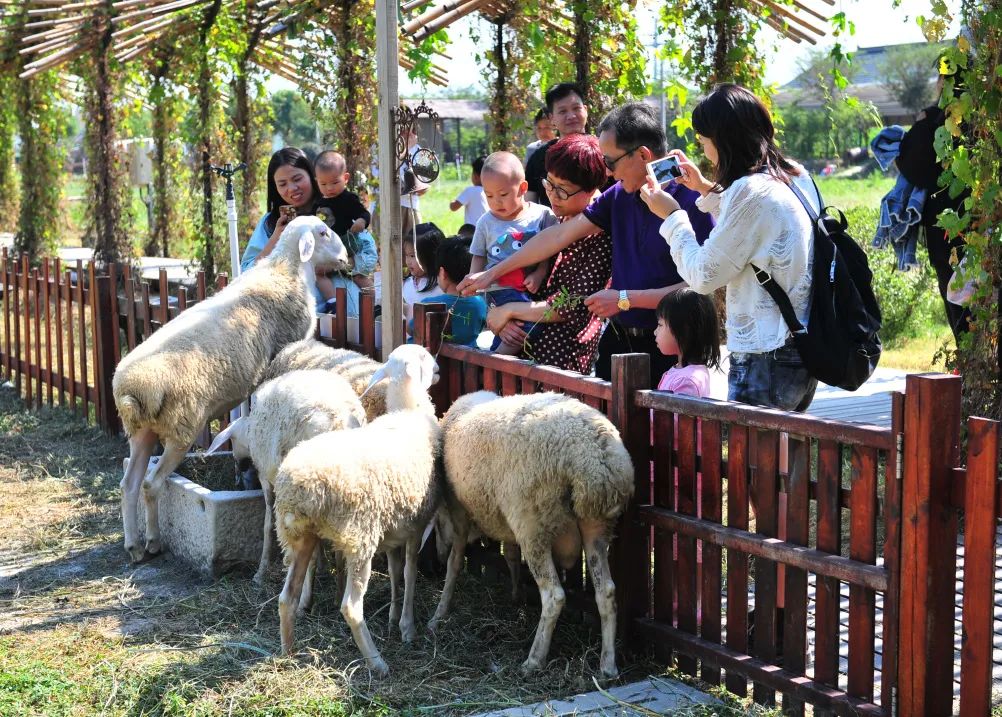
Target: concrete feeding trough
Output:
{"points": [[204, 521]]}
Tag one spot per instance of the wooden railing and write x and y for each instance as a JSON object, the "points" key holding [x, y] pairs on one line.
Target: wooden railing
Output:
{"points": [[732, 503]]}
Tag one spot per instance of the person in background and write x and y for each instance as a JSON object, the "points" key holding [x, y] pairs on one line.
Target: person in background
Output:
{"points": [[290, 184], [543, 127], [471, 200], [409, 202], [688, 327], [343, 211], [422, 265], [569, 115], [630, 136], [466, 313], [467, 231], [918, 163], [509, 225]]}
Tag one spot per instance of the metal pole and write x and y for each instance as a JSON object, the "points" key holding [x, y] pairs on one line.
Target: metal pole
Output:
{"points": [[391, 259]]}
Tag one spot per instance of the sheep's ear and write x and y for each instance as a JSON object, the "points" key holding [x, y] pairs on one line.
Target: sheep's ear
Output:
{"points": [[306, 246], [378, 376], [223, 436], [419, 371]]}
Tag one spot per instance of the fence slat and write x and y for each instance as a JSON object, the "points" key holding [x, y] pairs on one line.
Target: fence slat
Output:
{"points": [[49, 379], [737, 561], [26, 298], [117, 344], [16, 357], [70, 343], [892, 556], [862, 547], [130, 308], [765, 499], [928, 545], [6, 313], [829, 540], [60, 363], [710, 587], [795, 583], [82, 342], [979, 567], [664, 540], [36, 305], [92, 302], [687, 566]]}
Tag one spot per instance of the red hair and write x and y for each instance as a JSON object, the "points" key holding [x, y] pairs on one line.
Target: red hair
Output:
{"points": [[577, 159]]}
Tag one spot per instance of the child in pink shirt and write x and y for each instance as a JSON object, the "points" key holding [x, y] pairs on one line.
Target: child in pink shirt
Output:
{"points": [[688, 327]]}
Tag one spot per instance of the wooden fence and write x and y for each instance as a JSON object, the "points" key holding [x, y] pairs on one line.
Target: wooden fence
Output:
{"points": [[710, 570]]}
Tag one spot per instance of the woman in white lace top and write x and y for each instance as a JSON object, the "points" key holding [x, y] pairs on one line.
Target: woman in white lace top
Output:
{"points": [[759, 221]]}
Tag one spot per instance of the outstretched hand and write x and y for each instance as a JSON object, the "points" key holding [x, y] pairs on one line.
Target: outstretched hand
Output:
{"points": [[657, 200], [473, 283]]}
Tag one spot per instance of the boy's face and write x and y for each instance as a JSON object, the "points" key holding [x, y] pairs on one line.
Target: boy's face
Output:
{"points": [[505, 196], [331, 183], [544, 130], [475, 179]]}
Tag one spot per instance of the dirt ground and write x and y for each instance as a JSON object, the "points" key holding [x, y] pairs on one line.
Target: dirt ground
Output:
{"points": [[83, 632]]}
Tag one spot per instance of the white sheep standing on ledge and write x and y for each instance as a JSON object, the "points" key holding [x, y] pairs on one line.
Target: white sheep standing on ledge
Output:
{"points": [[288, 410], [549, 473], [209, 359], [356, 368], [366, 490]]}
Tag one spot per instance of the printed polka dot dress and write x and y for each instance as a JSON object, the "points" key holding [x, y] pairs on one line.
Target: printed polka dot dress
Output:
{"points": [[579, 271]]}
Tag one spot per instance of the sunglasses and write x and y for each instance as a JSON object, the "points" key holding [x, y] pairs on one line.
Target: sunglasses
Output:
{"points": [[611, 163]]}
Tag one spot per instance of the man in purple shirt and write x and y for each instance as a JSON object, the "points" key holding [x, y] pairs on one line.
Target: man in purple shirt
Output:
{"points": [[630, 136]]}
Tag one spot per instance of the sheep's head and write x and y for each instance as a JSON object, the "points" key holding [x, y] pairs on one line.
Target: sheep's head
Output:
{"points": [[317, 243], [236, 434], [407, 365]]}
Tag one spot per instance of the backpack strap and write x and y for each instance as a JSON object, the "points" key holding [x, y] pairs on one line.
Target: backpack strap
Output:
{"points": [[766, 281], [780, 297]]}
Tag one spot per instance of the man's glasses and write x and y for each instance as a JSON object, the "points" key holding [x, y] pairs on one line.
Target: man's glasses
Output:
{"points": [[611, 163], [558, 192]]}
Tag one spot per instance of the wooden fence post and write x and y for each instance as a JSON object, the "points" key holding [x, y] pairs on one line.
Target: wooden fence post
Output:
{"points": [[631, 568], [928, 546], [429, 325], [105, 336]]}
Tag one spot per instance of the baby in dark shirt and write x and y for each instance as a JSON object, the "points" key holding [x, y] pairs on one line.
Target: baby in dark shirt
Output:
{"points": [[343, 212]]}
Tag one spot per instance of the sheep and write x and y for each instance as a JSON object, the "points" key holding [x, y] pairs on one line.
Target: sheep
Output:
{"points": [[351, 365], [287, 410], [209, 359], [374, 488], [544, 471]]}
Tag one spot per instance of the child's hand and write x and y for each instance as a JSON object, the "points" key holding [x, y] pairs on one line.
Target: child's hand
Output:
{"points": [[357, 226], [657, 200], [478, 281], [497, 317], [534, 280]]}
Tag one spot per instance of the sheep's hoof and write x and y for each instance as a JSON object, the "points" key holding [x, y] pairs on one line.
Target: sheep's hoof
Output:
{"points": [[136, 553], [408, 632], [258, 578], [378, 667], [609, 672], [153, 548], [530, 666]]}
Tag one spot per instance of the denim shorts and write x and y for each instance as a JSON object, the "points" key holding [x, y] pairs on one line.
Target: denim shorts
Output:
{"points": [[776, 379]]}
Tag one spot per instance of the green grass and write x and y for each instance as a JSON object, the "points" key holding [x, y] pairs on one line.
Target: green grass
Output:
{"points": [[847, 193]]}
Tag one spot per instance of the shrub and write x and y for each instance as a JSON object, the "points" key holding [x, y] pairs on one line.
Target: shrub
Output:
{"points": [[909, 301]]}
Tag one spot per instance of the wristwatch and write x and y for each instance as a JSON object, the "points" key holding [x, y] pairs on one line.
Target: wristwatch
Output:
{"points": [[624, 301]]}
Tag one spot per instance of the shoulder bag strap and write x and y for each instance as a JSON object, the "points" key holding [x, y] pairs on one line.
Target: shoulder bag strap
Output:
{"points": [[766, 281]]}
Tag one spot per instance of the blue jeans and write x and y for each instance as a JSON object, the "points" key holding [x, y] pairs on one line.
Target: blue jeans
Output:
{"points": [[776, 379], [500, 297]]}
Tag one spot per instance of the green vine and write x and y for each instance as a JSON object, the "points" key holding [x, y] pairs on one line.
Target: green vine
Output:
{"points": [[9, 189], [970, 147]]}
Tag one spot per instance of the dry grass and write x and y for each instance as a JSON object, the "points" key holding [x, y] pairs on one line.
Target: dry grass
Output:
{"points": [[84, 633]]}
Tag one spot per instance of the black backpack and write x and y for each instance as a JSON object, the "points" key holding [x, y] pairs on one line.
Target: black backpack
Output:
{"points": [[840, 345]]}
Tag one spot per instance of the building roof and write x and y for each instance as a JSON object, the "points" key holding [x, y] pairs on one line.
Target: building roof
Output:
{"points": [[866, 84], [467, 110]]}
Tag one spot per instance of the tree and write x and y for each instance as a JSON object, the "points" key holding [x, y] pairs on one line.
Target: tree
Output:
{"points": [[909, 74], [293, 119]]}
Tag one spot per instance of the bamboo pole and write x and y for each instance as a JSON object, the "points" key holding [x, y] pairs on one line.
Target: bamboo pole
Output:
{"points": [[159, 9], [53, 60], [447, 19], [434, 13]]}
